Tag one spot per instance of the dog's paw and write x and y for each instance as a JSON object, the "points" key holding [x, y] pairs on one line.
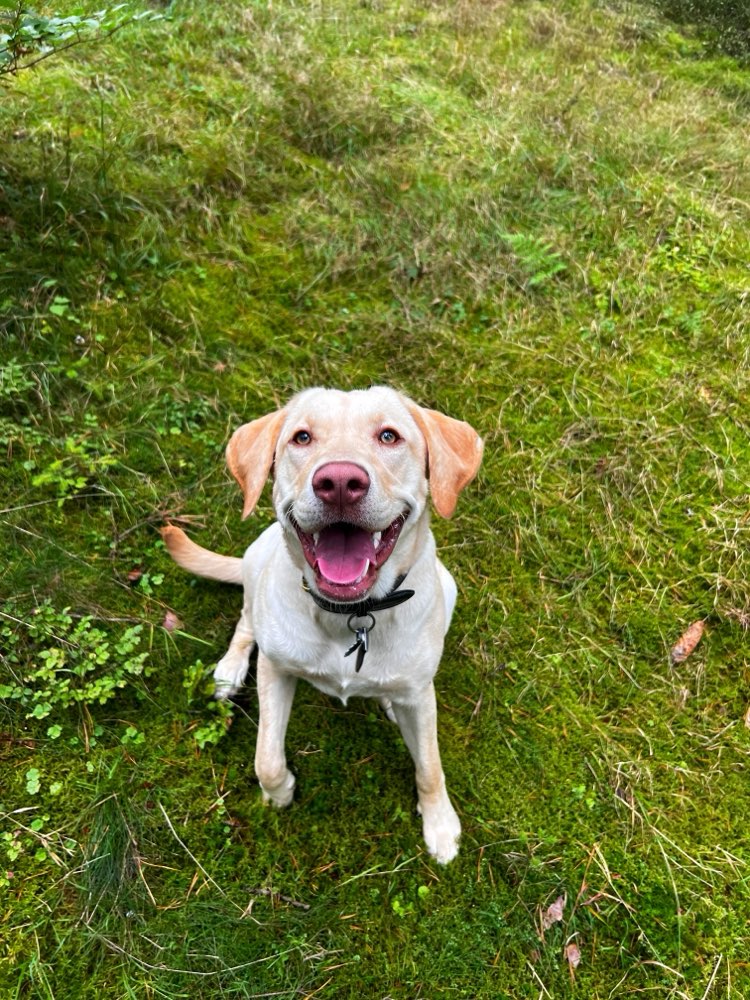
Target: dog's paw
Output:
{"points": [[229, 676], [282, 794], [441, 828]]}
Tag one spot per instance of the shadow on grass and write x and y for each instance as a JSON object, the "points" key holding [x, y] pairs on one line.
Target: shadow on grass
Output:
{"points": [[724, 23]]}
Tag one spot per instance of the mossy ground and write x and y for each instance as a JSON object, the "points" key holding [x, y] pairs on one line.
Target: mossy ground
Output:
{"points": [[531, 216]]}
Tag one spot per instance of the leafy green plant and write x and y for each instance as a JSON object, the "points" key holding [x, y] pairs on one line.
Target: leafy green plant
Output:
{"points": [[689, 262], [22, 431], [172, 416], [54, 661], [215, 728], [537, 260], [400, 908], [60, 306], [33, 782], [28, 36], [133, 736], [199, 685], [197, 682], [583, 794], [14, 380], [148, 581], [84, 459]]}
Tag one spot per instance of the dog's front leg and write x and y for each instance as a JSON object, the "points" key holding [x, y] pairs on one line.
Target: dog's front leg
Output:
{"points": [[275, 696], [231, 670], [441, 826]]}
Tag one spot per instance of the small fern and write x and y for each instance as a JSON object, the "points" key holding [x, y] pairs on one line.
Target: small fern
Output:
{"points": [[538, 261]]}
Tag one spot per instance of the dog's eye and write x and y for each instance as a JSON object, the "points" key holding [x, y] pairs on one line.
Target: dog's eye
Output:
{"points": [[302, 437], [388, 436]]}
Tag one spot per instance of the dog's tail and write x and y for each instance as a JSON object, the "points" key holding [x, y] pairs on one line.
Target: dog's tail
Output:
{"points": [[198, 560]]}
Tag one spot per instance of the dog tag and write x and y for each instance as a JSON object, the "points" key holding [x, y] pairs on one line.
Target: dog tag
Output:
{"points": [[362, 644], [361, 640]]}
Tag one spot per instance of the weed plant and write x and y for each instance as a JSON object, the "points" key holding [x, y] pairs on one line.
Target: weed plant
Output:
{"points": [[532, 216]]}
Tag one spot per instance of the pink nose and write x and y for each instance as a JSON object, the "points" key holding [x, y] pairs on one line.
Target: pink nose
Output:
{"points": [[340, 483]]}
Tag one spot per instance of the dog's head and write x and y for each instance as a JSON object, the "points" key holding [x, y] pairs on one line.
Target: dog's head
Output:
{"points": [[351, 473]]}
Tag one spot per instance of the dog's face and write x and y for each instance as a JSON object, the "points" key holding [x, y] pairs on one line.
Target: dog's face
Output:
{"points": [[351, 480]]}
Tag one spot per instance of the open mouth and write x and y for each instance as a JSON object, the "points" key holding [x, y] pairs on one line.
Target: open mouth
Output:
{"points": [[346, 558]]}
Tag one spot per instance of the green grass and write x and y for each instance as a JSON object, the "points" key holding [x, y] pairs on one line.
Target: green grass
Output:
{"points": [[534, 217]]}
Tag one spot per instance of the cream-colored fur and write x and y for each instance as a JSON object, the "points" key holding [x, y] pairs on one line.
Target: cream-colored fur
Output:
{"points": [[296, 638]]}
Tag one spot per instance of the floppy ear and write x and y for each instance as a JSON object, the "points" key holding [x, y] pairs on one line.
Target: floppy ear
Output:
{"points": [[250, 455], [454, 453]]}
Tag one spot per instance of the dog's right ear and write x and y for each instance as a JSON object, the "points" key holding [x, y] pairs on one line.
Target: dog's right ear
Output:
{"points": [[250, 455]]}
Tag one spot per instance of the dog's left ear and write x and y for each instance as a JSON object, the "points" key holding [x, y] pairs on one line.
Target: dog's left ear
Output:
{"points": [[454, 454], [250, 455]]}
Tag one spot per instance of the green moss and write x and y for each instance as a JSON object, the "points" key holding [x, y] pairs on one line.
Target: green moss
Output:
{"points": [[199, 221]]}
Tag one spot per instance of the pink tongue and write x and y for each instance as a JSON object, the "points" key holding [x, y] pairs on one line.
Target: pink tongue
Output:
{"points": [[342, 552]]}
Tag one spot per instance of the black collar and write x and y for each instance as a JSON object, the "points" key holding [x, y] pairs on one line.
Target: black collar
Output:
{"points": [[366, 607], [362, 609]]}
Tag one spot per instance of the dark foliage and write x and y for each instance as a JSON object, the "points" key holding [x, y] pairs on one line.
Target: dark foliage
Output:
{"points": [[726, 22]]}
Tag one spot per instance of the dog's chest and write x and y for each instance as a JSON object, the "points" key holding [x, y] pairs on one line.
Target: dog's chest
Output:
{"points": [[340, 680], [393, 665]]}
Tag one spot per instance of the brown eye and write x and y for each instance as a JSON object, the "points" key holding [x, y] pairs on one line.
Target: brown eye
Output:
{"points": [[302, 437], [388, 436]]}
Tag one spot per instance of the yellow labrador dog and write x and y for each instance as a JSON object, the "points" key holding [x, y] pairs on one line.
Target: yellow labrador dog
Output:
{"points": [[323, 585]]}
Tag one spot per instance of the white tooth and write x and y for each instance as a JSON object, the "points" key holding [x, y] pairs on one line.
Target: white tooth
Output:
{"points": [[376, 538], [363, 574], [316, 536]]}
